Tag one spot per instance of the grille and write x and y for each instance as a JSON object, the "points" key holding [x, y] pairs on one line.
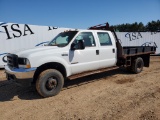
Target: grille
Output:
{"points": [[12, 60]]}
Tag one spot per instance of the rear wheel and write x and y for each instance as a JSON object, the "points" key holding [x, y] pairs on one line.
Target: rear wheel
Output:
{"points": [[49, 83], [137, 65]]}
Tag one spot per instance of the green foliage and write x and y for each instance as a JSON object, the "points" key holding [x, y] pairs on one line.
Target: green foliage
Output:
{"points": [[152, 26]]}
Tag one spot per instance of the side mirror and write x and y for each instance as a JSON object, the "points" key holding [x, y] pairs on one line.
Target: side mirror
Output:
{"points": [[73, 46], [79, 46]]}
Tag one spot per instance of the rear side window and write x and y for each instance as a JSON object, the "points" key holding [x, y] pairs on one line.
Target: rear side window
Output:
{"points": [[104, 38]]}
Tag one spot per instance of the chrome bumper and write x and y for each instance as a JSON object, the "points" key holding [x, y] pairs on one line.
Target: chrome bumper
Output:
{"points": [[20, 73]]}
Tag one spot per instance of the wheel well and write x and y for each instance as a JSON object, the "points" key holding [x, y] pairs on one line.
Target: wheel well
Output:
{"points": [[146, 59], [51, 65]]}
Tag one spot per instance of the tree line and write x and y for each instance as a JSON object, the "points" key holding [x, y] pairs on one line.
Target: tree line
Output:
{"points": [[153, 26]]}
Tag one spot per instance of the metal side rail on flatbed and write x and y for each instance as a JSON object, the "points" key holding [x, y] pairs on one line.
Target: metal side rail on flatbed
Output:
{"points": [[138, 50]]}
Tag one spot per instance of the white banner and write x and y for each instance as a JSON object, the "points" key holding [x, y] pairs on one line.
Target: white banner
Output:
{"points": [[140, 39]]}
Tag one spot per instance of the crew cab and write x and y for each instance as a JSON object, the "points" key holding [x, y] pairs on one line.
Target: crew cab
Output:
{"points": [[70, 53]]}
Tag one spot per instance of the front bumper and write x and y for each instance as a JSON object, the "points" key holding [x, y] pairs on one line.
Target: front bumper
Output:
{"points": [[20, 75]]}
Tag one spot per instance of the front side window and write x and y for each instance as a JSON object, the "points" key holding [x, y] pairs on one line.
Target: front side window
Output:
{"points": [[63, 39], [88, 38], [104, 38]]}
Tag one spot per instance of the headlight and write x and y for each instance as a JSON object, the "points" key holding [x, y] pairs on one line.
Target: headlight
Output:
{"points": [[24, 63]]}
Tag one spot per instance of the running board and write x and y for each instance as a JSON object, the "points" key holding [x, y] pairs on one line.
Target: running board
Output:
{"points": [[91, 72]]}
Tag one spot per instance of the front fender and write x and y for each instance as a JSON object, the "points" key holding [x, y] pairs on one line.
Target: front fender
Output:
{"points": [[37, 63]]}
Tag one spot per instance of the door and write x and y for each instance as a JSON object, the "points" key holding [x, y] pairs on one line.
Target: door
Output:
{"points": [[107, 50], [86, 59]]}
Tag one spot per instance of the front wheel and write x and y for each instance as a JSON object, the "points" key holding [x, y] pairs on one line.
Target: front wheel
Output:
{"points": [[49, 83], [137, 65]]}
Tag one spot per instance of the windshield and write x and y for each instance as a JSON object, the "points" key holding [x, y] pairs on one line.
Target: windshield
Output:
{"points": [[63, 39]]}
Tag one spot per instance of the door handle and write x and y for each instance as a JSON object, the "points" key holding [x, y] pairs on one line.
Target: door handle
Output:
{"points": [[97, 52], [113, 50]]}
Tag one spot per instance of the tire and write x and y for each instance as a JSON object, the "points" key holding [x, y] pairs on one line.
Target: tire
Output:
{"points": [[137, 65], [49, 83]]}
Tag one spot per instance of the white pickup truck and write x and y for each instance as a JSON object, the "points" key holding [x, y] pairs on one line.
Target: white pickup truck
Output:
{"points": [[70, 53]]}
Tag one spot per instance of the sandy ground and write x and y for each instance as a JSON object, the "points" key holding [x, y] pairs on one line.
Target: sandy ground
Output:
{"points": [[111, 95]]}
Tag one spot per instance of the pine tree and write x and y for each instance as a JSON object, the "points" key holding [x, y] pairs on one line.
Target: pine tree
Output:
{"points": [[152, 26]]}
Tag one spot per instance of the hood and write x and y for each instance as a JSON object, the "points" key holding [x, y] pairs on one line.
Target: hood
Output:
{"points": [[36, 50]]}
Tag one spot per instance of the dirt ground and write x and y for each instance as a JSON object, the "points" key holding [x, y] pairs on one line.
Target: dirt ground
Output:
{"points": [[111, 95]]}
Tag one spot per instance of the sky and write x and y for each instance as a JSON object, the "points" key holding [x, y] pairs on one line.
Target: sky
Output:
{"points": [[78, 13]]}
